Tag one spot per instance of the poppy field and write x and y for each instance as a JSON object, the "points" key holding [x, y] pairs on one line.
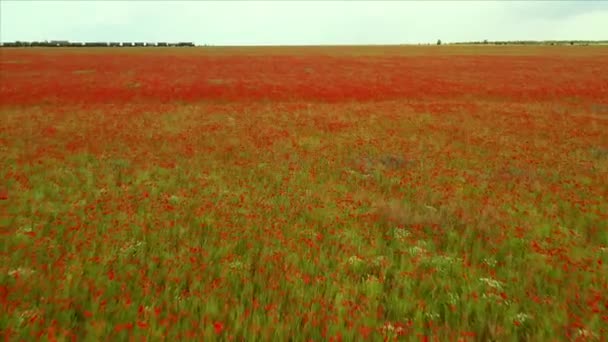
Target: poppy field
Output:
{"points": [[433, 193]]}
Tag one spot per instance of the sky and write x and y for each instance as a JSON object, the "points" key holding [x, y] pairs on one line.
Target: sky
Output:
{"points": [[302, 22]]}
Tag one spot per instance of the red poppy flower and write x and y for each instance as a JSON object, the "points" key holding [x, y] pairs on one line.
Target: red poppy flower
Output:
{"points": [[218, 327]]}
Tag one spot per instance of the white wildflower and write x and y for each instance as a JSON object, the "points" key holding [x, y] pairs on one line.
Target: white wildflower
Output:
{"points": [[24, 230], [389, 328], [493, 283], [132, 247], [431, 315], [418, 249], [522, 317], [401, 234], [495, 298], [355, 260], [453, 299], [21, 272], [236, 265], [584, 333], [431, 208], [490, 261], [27, 315], [310, 233]]}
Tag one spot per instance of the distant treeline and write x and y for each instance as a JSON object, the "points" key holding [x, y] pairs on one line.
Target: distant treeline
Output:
{"points": [[535, 42], [65, 43]]}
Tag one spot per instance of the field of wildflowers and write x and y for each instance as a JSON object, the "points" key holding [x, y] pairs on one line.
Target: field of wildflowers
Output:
{"points": [[320, 193]]}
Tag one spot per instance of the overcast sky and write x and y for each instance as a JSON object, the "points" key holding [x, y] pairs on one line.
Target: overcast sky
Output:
{"points": [[302, 22]]}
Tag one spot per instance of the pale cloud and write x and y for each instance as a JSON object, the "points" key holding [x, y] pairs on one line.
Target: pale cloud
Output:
{"points": [[301, 22]]}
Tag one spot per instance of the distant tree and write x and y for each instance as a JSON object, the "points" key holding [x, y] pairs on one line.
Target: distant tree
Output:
{"points": [[438, 41], [485, 41], [571, 43]]}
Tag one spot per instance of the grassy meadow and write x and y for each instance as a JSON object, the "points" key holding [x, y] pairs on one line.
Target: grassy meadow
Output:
{"points": [[448, 193]]}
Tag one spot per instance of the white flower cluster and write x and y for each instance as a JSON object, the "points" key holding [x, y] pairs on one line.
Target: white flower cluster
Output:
{"points": [[431, 315], [309, 233], [522, 317], [355, 260], [27, 315], [132, 247], [21, 272], [496, 299], [493, 283], [418, 249], [586, 334], [453, 298], [490, 261], [236, 265], [401, 234], [24, 230], [389, 328]]}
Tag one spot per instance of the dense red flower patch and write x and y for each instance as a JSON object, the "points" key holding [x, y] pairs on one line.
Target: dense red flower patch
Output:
{"points": [[83, 77]]}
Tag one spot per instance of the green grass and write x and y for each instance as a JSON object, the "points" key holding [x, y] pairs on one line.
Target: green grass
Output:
{"points": [[190, 225]]}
